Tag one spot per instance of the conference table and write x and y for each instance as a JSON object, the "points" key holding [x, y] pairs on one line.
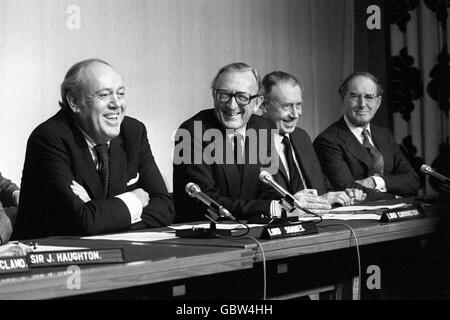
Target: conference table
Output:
{"points": [[221, 268]]}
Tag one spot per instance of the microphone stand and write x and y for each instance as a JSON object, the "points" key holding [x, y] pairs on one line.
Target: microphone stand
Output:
{"points": [[212, 217], [202, 233], [287, 205]]}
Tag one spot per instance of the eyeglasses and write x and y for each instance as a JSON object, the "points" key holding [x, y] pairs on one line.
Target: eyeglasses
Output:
{"points": [[369, 97], [242, 98]]}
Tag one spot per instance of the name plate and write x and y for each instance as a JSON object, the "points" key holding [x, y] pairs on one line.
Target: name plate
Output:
{"points": [[14, 264], [69, 257], [288, 230], [410, 212]]}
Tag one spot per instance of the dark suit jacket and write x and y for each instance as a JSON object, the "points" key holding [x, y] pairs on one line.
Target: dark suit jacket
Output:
{"points": [[308, 162], [345, 160], [7, 188], [57, 153], [238, 192], [5, 226]]}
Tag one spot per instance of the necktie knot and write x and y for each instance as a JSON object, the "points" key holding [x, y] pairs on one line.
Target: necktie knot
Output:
{"points": [[286, 141], [102, 152], [366, 133]]}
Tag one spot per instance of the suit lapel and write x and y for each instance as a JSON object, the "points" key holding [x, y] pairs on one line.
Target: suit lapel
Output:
{"points": [[352, 144]]}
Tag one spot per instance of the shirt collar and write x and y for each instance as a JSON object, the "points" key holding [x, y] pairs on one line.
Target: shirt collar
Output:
{"points": [[241, 131], [356, 130], [90, 142], [279, 138]]}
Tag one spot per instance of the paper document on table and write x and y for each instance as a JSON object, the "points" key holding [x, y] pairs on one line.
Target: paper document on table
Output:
{"points": [[364, 208], [135, 236], [45, 248], [219, 226], [351, 216]]}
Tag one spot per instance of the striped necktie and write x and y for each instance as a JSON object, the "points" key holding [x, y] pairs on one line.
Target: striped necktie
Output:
{"points": [[378, 162]]}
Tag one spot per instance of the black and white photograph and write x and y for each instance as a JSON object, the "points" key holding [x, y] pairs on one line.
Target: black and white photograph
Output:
{"points": [[231, 157]]}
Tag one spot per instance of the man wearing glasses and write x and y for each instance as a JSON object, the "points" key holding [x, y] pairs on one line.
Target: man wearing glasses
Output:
{"points": [[355, 153], [89, 169], [300, 169], [230, 126]]}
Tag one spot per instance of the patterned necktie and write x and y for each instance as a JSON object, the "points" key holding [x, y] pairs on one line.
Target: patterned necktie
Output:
{"points": [[103, 165], [296, 181], [378, 162]]}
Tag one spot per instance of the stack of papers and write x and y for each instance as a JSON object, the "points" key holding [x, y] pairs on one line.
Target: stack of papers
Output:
{"points": [[135, 236], [357, 212]]}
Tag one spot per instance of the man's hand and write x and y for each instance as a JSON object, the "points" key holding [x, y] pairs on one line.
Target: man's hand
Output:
{"points": [[142, 196], [367, 182], [348, 197], [356, 196], [80, 191], [309, 199], [339, 197]]}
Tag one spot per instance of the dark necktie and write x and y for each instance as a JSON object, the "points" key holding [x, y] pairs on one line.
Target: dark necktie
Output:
{"points": [[378, 162], [103, 165], [296, 183], [238, 151]]}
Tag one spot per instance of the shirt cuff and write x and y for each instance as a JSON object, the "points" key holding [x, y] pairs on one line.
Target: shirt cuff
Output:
{"points": [[15, 198], [275, 209], [380, 184], [133, 204]]}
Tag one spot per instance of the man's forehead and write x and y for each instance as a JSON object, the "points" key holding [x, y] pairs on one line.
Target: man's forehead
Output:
{"points": [[362, 81], [242, 78], [286, 91], [101, 74]]}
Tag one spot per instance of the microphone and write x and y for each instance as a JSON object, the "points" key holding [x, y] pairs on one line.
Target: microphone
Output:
{"points": [[267, 178], [194, 191], [428, 170]]}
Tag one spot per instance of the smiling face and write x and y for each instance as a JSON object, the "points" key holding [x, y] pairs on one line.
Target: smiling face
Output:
{"points": [[230, 114], [358, 109], [283, 106], [101, 105]]}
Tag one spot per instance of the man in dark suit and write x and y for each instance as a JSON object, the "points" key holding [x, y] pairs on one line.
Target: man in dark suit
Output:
{"points": [[89, 169], [214, 149], [9, 199], [299, 169], [354, 152]]}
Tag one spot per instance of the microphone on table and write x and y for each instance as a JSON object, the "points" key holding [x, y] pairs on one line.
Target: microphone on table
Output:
{"points": [[267, 178], [430, 171], [194, 191]]}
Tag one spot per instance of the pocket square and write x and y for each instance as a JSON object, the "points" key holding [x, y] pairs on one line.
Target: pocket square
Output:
{"points": [[134, 180]]}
